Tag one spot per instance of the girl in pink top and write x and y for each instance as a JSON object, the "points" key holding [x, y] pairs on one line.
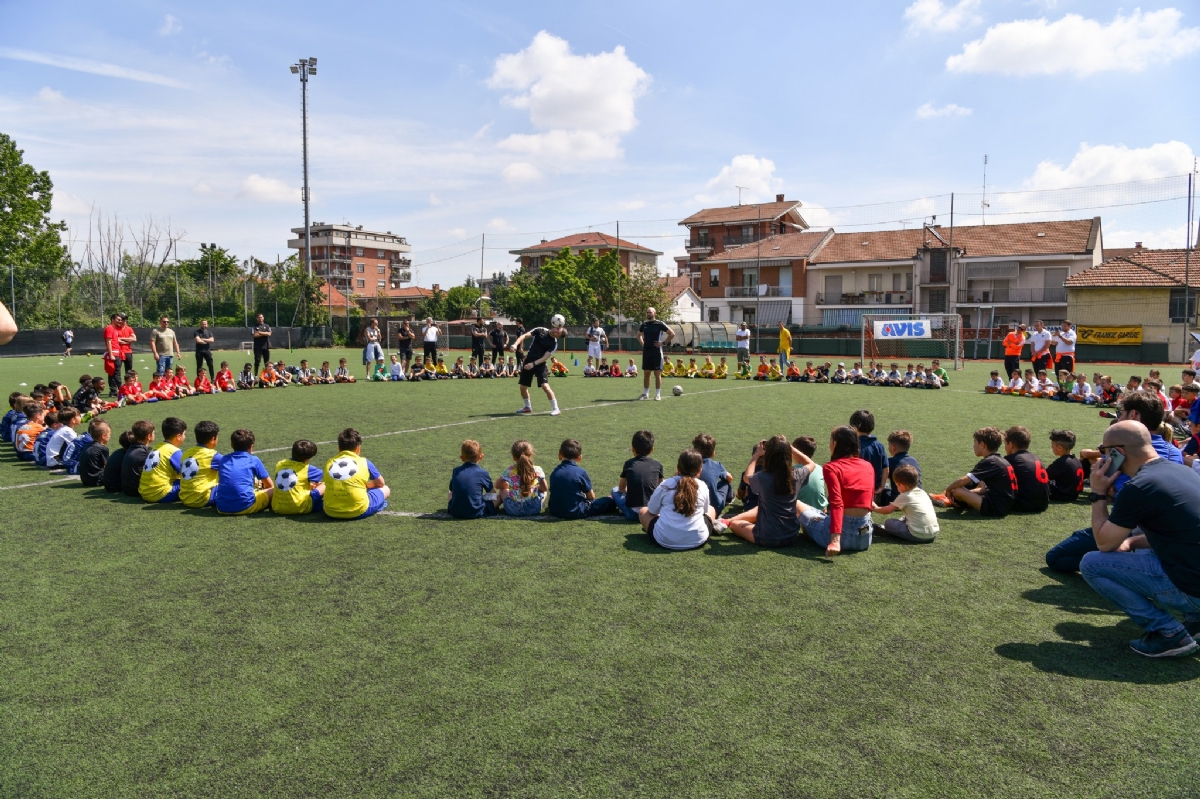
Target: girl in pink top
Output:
{"points": [[850, 485]]}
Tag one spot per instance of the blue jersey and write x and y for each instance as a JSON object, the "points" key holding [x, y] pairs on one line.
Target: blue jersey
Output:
{"points": [[468, 483], [235, 481], [19, 419], [73, 451], [6, 426], [871, 451], [39, 447], [569, 486]]}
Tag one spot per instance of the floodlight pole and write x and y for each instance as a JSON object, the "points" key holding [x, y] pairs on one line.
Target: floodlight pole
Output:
{"points": [[304, 68], [1187, 268]]}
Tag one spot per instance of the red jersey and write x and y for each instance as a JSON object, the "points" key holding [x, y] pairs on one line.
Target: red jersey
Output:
{"points": [[130, 389], [113, 333], [850, 483], [203, 384], [159, 384], [224, 379]]}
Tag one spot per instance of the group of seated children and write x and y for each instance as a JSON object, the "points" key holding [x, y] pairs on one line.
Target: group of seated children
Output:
{"points": [[280, 375], [171, 386], [1102, 392], [41, 425], [234, 483], [428, 369], [875, 375], [602, 368], [707, 370]]}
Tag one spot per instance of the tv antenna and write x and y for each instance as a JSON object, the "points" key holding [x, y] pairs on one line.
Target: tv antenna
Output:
{"points": [[740, 190], [984, 204]]}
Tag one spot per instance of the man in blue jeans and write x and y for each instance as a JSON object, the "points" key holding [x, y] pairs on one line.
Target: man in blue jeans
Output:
{"points": [[1141, 407], [1154, 575]]}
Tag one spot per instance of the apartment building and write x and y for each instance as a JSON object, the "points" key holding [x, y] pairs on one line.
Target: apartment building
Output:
{"points": [[630, 253], [354, 260], [711, 231], [763, 282]]}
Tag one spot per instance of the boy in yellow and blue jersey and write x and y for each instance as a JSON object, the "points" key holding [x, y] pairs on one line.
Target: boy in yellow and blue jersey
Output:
{"points": [[243, 485], [354, 488], [160, 476], [298, 486], [198, 473]]}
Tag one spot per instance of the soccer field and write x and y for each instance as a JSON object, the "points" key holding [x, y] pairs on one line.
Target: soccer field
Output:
{"points": [[155, 651]]}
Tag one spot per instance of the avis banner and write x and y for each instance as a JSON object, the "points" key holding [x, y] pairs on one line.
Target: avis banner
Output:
{"points": [[1121, 335], [918, 328]]}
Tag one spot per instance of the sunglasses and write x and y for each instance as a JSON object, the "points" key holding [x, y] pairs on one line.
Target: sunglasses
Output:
{"points": [[1104, 449]]}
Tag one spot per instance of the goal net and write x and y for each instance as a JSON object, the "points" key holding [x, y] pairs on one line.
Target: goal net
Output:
{"points": [[920, 337], [393, 336]]}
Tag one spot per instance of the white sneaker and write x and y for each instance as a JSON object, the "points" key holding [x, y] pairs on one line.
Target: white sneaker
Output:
{"points": [[525, 410], [658, 397], [720, 526], [644, 397], [555, 412]]}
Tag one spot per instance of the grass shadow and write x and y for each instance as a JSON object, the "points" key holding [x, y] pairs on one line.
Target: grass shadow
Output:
{"points": [[1069, 593], [640, 542], [1090, 652]]}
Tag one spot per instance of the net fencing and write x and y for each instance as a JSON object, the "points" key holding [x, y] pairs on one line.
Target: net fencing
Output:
{"points": [[391, 343], [921, 337]]}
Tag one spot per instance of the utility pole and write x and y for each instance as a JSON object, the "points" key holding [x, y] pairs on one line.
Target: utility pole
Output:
{"points": [[304, 68], [1187, 267], [178, 320], [482, 252]]}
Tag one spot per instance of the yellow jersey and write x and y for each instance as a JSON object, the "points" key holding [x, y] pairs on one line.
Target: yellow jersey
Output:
{"points": [[198, 476], [346, 477], [160, 473], [293, 487]]}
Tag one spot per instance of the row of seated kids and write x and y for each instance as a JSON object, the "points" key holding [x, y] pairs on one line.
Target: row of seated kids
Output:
{"points": [[602, 368], [875, 375], [1103, 392], [428, 369], [234, 483], [707, 370]]}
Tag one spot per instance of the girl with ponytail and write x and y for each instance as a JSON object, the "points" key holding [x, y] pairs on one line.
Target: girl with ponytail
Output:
{"points": [[522, 487], [679, 514]]}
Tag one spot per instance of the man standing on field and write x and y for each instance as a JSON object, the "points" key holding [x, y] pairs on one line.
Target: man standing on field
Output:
{"points": [[595, 340], [785, 345], [653, 335], [429, 334], [543, 343], [1039, 347], [1065, 352]]}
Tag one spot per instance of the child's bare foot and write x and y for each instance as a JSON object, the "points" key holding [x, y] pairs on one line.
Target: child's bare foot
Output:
{"points": [[835, 546]]}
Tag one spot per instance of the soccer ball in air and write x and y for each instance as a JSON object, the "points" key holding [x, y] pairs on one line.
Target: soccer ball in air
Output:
{"points": [[343, 469], [152, 461], [677, 391], [286, 480], [558, 320], [191, 468]]}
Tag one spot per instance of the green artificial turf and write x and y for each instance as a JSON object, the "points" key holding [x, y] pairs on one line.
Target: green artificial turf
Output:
{"points": [[151, 651]]}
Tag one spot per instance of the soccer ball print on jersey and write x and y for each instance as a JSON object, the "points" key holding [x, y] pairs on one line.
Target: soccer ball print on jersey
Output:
{"points": [[343, 469], [286, 480], [190, 469]]}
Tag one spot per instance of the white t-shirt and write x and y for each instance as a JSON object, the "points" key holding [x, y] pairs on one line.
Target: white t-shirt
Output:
{"points": [[743, 340], [1083, 390], [58, 444], [1066, 341], [1039, 341], [431, 333], [674, 530], [1016, 384], [1196, 360], [918, 512], [373, 334], [995, 382]]}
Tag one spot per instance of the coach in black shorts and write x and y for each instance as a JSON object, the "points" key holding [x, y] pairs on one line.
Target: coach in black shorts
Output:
{"points": [[543, 343], [653, 335]]}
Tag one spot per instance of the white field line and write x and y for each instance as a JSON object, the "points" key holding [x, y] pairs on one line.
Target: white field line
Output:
{"points": [[41, 483]]}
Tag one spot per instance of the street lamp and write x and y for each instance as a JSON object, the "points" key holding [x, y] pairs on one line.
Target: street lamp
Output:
{"points": [[304, 68]]}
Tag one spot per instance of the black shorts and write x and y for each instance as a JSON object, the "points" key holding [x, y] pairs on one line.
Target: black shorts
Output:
{"points": [[995, 507], [652, 360], [540, 372], [1066, 362]]}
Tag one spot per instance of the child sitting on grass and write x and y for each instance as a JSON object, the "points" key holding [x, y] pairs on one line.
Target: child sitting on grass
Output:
{"points": [[159, 481], [939, 373], [743, 371], [379, 372], [692, 369], [135, 458], [202, 385], [839, 375], [354, 488], [198, 472], [632, 371], [94, 459], [990, 487], [668, 369], [708, 368], [181, 384], [995, 385], [763, 370], [245, 380], [268, 377], [298, 484], [243, 485], [1081, 391], [32, 423], [116, 464], [160, 388], [589, 368], [1032, 490], [773, 373], [640, 475], [920, 523], [131, 390], [471, 491], [225, 380], [713, 472], [899, 442], [487, 370], [678, 515], [571, 494], [522, 487], [557, 368], [869, 448], [324, 376], [1066, 472], [793, 373], [342, 375], [51, 425]]}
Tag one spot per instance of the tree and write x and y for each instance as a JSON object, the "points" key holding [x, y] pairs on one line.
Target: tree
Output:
{"points": [[579, 287], [30, 244], [433, 306], [644, 289], [460, 300]]}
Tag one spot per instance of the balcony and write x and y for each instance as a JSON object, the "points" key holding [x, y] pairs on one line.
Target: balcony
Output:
{"points": [[401, 276], [325, 270], [738, 241], [935, 277], [401, 263], [698, 246], [1007, 296], [761, 290], [867, 298]]}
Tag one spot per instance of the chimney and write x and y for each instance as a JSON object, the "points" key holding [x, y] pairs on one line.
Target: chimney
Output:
{"points": [[436, 287], [1137, 245], [778, 198]]}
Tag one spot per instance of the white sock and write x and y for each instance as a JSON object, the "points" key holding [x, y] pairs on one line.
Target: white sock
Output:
{"points": [[554, 404], [528, 402], [646, 393], [658, 392]]}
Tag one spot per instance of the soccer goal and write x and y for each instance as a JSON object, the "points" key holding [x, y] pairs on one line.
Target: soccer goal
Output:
{"points": [[393, 336], [912, 338]]}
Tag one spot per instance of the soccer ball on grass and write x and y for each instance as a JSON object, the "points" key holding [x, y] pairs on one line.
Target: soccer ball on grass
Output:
{"points": [[286, 480], [677, 391], [343, 469]]}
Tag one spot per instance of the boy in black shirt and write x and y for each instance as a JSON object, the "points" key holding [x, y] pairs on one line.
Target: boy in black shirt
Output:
{"points": [[135, 458], [990, 487], [1033, 484], [1066, 473], [112, 470], [640, 475], [84, 396], [94, 459]]}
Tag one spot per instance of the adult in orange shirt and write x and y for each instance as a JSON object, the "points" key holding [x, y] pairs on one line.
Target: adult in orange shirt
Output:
{"points": [[1013, 343]]}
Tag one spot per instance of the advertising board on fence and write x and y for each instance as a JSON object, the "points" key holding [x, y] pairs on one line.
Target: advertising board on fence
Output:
{"points": [[1119, 335], [918, 328]]}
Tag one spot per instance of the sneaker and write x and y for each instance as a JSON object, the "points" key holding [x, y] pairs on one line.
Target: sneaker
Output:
{"points": [[939, 500], [720, 526], [658, 397], [644, 397], [555, 412], [526, 410], [1157, 645]]}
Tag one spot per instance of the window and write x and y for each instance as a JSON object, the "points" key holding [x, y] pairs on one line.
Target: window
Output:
{"points": [[381, 269], [833, 289], [1178, 298], [937, 266], [381, 254], [358, 250], [714, 278], [381, 284], [874, 282], [908, 281], [360, 283], [747, 232], [714, 314], [897, 281], [360, 267], [703, 237]]}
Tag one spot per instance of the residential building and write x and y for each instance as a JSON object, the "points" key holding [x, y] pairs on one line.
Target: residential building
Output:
{"points": [[630, 254], [399, 301], [763, 282], [685, 303], [356, 260], [711, 231], [1156, 289]]}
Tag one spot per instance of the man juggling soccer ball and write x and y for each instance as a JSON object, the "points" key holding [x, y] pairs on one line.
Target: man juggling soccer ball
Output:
{"points": [[543, 343]]}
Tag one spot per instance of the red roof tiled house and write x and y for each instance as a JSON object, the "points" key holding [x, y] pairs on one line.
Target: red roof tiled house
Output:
{"points": [[685, 303], [400, 301], [630, 253], [1157, 289]]}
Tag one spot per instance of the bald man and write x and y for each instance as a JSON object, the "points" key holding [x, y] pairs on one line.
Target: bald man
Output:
{"points": [[1155, 575]]}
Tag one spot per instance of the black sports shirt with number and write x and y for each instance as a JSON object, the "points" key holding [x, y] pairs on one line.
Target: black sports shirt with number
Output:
{"points": [[541, 343], [998, 475], [1033, 484]]}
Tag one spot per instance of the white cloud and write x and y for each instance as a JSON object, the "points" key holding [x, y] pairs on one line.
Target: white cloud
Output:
{"points": [[521, 172], [435, 200], [269, 190], [90, 67], [755, 175], [170, 26], [1107, 163], [585, 103], [500, 225], [48, 95], [1079, 46], [930, 111], [936, 16], [67, 204], [631, 205], [200, 187]]}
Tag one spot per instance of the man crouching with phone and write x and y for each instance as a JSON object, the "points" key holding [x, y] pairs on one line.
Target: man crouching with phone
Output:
{"points": [[1154, 575]]}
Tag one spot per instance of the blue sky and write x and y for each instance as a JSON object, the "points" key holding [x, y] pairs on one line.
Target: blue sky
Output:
{"points": [[442, 121]]}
